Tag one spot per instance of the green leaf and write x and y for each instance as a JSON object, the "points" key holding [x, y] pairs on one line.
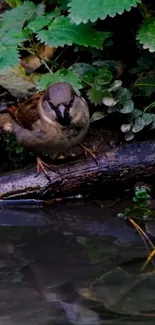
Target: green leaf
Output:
{"points": [[128, 107], [98, 115], [81, 68], [13, 3], [63, 32], [129, 136], [115, 85], [63, 4], [139, 125], [136, 113], [123, 95], [95, 96], [13, 38], [146, 34], [142, 194], [38, 23], [15, 18], [40, 9], [9, 57], [148, 118], [104, 76], [109, 101], [61, 75], [82, 11], [53, 14], [125, 128]]}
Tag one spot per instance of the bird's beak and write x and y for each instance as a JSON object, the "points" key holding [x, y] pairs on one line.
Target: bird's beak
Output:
{"points": [[61, 110]]}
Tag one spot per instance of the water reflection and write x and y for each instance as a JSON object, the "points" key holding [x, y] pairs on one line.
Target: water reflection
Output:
{"points": [[87, 273]]}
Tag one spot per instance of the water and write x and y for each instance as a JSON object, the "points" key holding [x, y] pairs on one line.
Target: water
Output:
{"points": [[73, 263]]}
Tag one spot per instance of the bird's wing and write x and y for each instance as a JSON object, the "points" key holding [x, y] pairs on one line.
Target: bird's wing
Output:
{"points": [[26, 112]]}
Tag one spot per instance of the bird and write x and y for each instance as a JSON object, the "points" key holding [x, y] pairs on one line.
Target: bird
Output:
{"points": [[50, 122]]}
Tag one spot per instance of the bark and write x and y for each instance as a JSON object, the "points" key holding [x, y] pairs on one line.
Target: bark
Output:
{"points": [[127, 162]]}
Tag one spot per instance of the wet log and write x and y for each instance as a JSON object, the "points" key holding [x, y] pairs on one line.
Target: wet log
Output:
{"points": [[126, 162]]}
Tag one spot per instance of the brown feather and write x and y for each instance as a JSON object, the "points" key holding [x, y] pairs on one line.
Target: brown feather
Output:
{"points": [[26, 113]]}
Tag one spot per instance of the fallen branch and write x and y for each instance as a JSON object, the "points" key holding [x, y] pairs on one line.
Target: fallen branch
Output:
{"points": [[122, 163]]}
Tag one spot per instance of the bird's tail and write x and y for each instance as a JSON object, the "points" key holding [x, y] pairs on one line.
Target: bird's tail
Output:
{"points": [[5, 122]]}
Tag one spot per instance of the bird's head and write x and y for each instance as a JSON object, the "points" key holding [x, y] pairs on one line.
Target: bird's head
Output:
{"points": [[60, 102]]}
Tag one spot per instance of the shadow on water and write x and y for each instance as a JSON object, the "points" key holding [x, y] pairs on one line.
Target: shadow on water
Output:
{"points": [[73, 264]]}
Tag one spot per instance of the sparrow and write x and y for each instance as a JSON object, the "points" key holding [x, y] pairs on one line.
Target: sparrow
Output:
{"points": [[50, 122]]}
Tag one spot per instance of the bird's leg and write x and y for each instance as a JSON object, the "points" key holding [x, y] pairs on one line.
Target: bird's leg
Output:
{"points": [[41, 166], [88, 151]]}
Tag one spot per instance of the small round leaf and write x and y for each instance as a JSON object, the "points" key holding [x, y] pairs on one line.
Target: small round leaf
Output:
{"points": [[148, 119], [139, 125], [97, 116], [136, 113], [109, 101], [129, 136], [125, 128], [115, 85], [128, 107]]}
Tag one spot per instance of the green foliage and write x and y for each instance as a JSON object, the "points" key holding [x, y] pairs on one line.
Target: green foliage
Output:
{"points": [[71, 23], [28, 20], [61, 75], [82, 11], [146, 34], [63, 32], [141, 207], [13, 3], [13, 154]]}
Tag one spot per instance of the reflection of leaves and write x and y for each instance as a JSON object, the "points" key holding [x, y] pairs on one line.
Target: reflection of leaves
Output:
{"points": [[17, 278], [78, 314], [122, 292]]}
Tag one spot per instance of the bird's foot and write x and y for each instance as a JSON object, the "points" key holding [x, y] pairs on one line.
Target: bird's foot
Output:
{"points": [[88, 151], [41, 166]]}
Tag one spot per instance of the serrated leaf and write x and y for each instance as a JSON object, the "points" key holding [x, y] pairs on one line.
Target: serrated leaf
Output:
{"points": [[63, 32], [98, 115], [82, 11], [38, 23], [146, 34], [9, 57], [95, 96], [139, 125], [53, 14], [15, 18], [40, 9], [13, 38], [60, 75], [128, 107]]}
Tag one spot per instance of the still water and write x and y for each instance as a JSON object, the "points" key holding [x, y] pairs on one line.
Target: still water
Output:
{"points": [[73, 263]]}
